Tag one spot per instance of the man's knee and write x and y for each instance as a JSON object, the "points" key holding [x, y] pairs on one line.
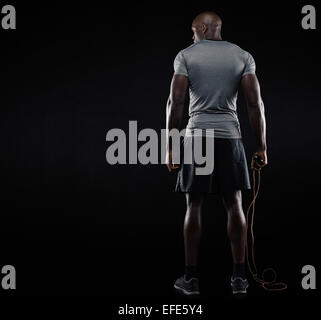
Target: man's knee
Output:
{"points": [[232, 201], [194, 200]]}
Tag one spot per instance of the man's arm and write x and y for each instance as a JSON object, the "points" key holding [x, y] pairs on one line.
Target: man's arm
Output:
{"points": [[174, 110], [251, 89]]}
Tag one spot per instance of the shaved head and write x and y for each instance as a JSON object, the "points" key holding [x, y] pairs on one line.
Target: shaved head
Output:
{"points": [[207, 25], [208, 18]]}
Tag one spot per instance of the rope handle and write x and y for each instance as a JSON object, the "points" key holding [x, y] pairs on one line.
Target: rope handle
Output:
{"points": [[267, 285]]}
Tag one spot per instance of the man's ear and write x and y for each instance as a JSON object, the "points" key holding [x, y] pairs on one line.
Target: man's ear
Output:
{"points": [[204, 27]]}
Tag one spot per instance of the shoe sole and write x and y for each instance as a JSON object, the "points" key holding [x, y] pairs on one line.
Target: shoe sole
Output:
{"points": [[240, 291], [186, 292]]}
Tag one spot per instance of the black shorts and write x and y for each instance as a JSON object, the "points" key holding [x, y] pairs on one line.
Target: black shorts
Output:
{"points": [[230, 169]]}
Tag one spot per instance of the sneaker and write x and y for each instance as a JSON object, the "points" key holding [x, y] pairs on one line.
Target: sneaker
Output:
{"points": [[188, 287], [239, 285]]}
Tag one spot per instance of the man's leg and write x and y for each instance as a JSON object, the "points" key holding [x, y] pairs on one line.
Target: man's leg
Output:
{"points": [[236, 230], [192, 232], [188, 283]]}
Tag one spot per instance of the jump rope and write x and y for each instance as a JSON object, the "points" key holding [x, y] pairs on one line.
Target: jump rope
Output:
{"points": [[267, 285]]}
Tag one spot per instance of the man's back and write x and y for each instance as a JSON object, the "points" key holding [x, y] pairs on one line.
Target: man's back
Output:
{"points": [[214, 69]]}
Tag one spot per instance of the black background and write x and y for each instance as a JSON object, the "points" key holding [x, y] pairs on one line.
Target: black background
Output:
{"points": [[76, 227]]}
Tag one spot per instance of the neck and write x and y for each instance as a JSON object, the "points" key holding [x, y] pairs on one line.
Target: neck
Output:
{"points": [[214, 39], [214, 36]]}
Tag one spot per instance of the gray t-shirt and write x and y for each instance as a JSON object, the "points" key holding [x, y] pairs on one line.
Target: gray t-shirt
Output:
{"points": [[214, 70]]}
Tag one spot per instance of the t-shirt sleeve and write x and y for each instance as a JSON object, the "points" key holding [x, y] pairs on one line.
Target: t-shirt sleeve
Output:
{"points": [[180, 65], [249, 65]]}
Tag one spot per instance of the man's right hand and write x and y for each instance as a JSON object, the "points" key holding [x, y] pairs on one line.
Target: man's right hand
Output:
{"points": [[262, 155], [169, 161]]}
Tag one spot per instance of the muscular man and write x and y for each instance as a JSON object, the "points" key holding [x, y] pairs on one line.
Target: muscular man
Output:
{"points": [[213, 70]]}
